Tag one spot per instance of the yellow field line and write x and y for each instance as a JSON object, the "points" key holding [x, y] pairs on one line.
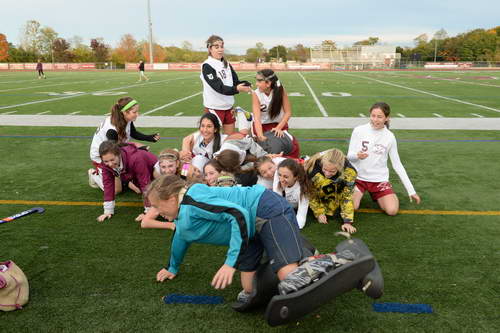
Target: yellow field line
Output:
{"points": [[139, 204], [67, 203], [432, 212]]}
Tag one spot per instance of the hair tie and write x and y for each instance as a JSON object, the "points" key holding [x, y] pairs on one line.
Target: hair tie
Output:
{"points": [[278, 83]]}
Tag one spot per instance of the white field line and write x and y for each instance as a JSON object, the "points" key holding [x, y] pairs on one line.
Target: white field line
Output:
{"points": [[401, 115], [362, 115], [89, 93], [438, 115], [425, 92], [320, 107], [178, 114], [72, 113], [8, 112], [460, 81], [171, 103], [179, 100], [477, 115], [55, 84], [473, 83], [6, 82], [44, 112]]}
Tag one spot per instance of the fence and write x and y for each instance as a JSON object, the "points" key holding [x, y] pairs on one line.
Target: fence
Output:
{"points": [[397, 64]]}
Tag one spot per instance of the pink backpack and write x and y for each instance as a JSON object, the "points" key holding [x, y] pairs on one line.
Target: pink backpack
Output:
{"points": [[14, 287]]}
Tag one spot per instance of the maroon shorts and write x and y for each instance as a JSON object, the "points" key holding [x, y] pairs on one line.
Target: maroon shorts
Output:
{"points": [[377, 190], [225, 116]]}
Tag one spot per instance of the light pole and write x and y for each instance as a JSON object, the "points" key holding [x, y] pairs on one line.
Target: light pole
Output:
{"points": [[150, 24]]}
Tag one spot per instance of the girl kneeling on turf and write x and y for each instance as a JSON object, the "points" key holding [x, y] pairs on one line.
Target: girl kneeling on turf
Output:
{"points": [[247, 219], [370, 146], [333, 179], [119, 127], [122, 165], [271, 109], [292, 183]]}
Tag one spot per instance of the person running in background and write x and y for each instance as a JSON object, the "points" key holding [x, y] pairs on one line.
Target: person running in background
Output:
{"points": [[333, 179], [370, 146], [141, 72], [119, 126], [39, 68], [220, 84]]}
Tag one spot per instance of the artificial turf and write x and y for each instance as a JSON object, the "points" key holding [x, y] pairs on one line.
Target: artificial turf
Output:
{"points": [[90, 276]]}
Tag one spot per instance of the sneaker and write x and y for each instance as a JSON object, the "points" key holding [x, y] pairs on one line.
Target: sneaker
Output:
{"points": [[243, 297], [248, 115], [92, 183]]}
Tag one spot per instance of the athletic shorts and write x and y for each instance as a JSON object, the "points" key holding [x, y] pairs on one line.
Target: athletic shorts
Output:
{"points": [[279, 236], [226, 117], [377, 190], [295, 153]]}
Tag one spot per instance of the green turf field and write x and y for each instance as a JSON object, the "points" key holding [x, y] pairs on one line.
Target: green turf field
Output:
{"points": [[335, 94], [87, 276]]}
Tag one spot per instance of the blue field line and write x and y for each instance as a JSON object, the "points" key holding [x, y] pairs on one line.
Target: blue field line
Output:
{"points": [[300, 139]]}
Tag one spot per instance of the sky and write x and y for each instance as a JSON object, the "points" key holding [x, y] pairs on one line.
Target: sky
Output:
{"points": [[244, 23]]}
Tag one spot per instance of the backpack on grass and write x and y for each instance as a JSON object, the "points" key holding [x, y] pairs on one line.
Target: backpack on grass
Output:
{"points": [[14, 287]]}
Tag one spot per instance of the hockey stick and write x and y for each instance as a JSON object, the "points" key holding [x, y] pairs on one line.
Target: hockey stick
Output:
{"points": [[21, 214]]}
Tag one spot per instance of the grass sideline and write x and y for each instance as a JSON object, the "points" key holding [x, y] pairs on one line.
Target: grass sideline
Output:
{"points": [[87, 276]]}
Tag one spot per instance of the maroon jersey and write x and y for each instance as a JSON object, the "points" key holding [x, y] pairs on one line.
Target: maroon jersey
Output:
{"points": [[137, 166]]}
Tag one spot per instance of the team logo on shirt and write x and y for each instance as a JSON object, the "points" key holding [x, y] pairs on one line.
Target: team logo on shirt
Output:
{"points": [[379, 149], [210, 76]]}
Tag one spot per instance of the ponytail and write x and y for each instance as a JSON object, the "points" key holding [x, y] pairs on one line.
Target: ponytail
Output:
{"points": [[118, 119], [277, 88]]}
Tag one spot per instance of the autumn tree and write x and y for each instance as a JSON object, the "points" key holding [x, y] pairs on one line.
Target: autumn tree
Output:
{"points": [[369, 41], [29, 36], [255, 54], [62, 51], [46, 38], [159, 53], [4, 48], [298, 53], [127, 50], [278, 52], [99, 49]]}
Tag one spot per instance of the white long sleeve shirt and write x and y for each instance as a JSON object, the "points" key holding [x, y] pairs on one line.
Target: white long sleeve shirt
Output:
{"points": [[292, 195], [379, 144]]}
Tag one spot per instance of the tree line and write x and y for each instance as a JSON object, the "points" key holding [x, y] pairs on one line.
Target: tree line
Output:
{"points": [[44, 43]]}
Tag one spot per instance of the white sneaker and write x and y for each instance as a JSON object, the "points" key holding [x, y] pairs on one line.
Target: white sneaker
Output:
{"points": [[92, 182]]}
